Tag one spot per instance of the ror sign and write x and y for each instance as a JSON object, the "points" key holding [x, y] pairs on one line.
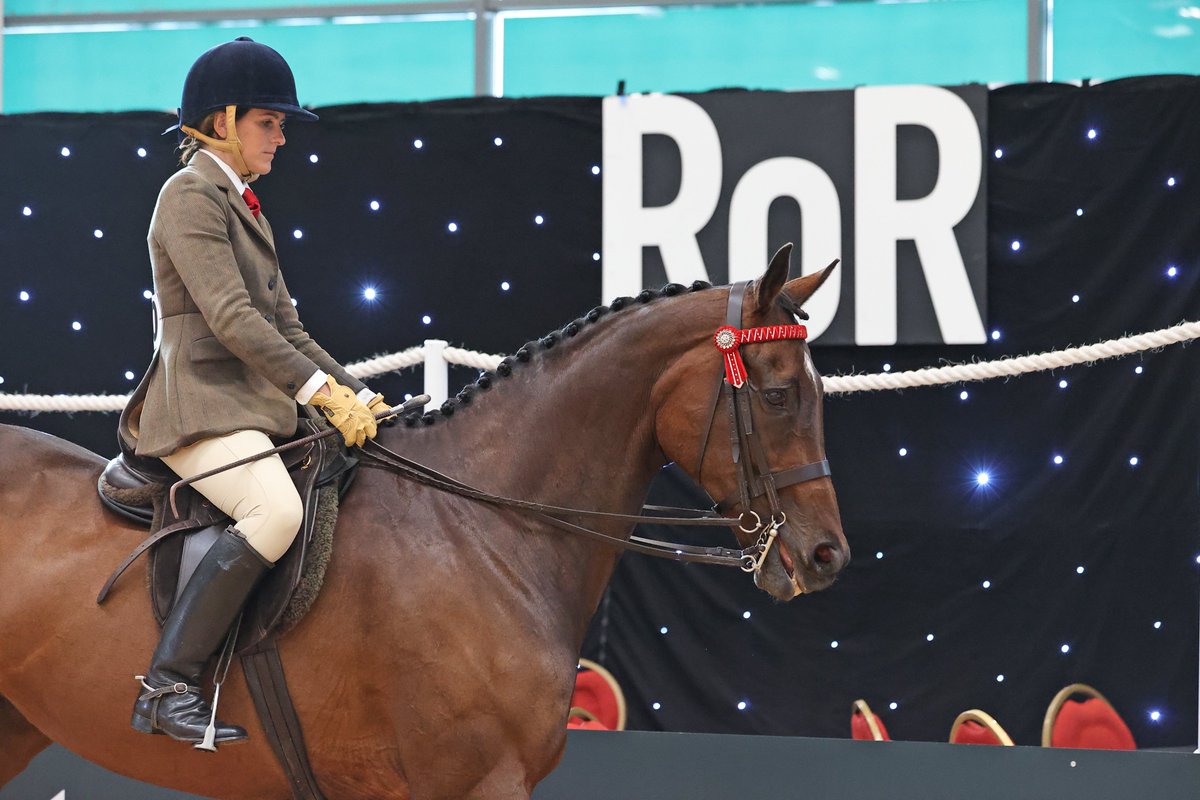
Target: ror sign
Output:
{"points": [[890, 179]]}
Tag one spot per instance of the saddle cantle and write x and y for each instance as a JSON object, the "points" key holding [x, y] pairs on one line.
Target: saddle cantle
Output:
{"points": [[135, 487]]}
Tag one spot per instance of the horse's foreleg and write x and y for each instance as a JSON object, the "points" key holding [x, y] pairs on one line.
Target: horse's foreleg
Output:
{"points": [[505, 782], [19, 742]]}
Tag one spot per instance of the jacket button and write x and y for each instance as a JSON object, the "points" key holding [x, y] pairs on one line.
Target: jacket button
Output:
{"points": [[271, 284], [291, 385]]}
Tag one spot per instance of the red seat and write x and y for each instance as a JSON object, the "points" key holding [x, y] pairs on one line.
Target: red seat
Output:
{"points": [[978, 727], [1092, 723], [599, 697], [865, 725]]}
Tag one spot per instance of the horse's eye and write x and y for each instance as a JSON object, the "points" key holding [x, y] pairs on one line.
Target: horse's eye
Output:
{"points": [[776, 397]]}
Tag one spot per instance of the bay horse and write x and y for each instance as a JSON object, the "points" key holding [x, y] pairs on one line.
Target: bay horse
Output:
{"points": [[439, 660]]}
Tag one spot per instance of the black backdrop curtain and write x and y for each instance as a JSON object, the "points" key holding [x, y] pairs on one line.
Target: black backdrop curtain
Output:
{"points": [[953, 584]]}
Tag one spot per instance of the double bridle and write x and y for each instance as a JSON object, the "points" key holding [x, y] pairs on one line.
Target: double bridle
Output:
{"points": [[754, 476]]}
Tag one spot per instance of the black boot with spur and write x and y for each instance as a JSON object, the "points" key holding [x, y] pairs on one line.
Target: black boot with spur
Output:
{"points": [[170, 701]]}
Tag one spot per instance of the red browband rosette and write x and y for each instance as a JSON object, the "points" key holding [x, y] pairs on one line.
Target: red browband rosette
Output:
{"points": [[728, 339]]}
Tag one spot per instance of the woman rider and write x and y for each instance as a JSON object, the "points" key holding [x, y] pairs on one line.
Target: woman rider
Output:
{"points": [[231, 362]]}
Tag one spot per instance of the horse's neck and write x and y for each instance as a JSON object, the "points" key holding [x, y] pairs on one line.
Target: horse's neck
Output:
{"points": [[572, 427]]}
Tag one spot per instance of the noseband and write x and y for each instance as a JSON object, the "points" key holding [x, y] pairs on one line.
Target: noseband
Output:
{"points": [[754, 476]]}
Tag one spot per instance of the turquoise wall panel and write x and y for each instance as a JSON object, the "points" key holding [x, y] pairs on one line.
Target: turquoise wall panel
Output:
{"points": [[767, 47], [144, 69], [1105, 39]]}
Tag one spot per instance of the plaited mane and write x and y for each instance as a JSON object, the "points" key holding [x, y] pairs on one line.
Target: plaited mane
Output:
{"points": [[530, 349]]}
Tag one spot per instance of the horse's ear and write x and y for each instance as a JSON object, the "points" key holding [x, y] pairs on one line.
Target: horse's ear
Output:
{"points": [[771, 283], [799, 290]]}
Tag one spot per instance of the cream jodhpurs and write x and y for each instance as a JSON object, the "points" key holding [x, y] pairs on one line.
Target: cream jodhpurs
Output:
{"points": [[259, 496]]}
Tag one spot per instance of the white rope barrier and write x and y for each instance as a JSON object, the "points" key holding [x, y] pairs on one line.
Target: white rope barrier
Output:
{"points": [[834, 384], [1008, 367]]}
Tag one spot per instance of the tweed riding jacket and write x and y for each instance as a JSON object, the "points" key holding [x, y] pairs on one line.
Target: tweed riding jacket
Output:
{"points": [[230, 350]]}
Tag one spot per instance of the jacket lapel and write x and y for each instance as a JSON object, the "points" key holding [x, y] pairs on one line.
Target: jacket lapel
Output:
{"points": [[209, 169]]}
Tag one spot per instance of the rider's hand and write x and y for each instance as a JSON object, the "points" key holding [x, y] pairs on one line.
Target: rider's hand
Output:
{"points": [[377, 405], [345, 412]]}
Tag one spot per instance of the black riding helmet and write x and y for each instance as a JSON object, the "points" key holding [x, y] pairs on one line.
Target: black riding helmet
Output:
{"points": [[241, 73]]}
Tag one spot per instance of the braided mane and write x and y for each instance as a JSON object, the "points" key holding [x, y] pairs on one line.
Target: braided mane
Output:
{"points": [[530, 349]]}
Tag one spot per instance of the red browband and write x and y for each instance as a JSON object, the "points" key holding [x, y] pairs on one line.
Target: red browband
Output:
{"points": [[728, 339]]}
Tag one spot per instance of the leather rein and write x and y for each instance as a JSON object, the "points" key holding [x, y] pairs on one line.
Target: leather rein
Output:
{"points": [[754, 476]]}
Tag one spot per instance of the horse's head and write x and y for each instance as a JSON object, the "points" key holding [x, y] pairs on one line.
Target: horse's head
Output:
{"points": [[773, 424]]}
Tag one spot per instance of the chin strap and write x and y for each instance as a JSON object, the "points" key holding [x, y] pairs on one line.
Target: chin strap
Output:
{"points": [[230, 145]]}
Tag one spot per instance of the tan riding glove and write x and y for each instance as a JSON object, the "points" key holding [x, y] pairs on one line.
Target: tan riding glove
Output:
{"points": [[345, 412]]}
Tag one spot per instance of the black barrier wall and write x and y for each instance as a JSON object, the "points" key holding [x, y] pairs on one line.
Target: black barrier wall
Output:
{"points": [[1075, 561], [659, 766]]}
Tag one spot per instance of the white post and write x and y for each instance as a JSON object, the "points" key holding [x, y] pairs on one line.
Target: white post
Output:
{"points": [[436, 370]]}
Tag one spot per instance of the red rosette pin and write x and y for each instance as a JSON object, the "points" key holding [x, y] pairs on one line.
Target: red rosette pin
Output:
{"points": [[726, 339]]}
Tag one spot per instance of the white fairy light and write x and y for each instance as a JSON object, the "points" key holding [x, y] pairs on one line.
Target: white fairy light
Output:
{"points": [[656, 706], [1092, 133], [23, 296], [505, 286], [1079, 570], [1074, 298], [834, 643], [1133, 461], [1155, 715], [129, 375], [312, 159], [539, 219], [743, 705], [297, 234], [1138, 370], [452, 227], [1079, 212], [146, 293], [999, 153], [929, 637], [878, 554], [745, 615], [903, 451], [595, 169], [418, 144], [663, 630], [999, 679], [1158, 624], [1172, 271], [426, 319], [1066, 648], [1058, 459], [369, 293], [77, 326], [963, 395], [1171, 181], [27, 211], [887, 367], [893, 706], [374, 205], [65, 152], [983, 478], [986, 584], [1062, 384], [141, 151], [995, 336], [99, 234], [1016, 245]]}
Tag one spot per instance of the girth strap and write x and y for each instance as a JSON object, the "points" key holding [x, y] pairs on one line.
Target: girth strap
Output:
{"points": [[267, 683]]}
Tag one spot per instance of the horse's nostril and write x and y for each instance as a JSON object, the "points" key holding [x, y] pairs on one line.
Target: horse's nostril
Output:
{"points": [[825, 554]]}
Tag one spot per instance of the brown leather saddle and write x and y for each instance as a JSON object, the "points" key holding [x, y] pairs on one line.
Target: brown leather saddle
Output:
{"points": [[135, 487]]}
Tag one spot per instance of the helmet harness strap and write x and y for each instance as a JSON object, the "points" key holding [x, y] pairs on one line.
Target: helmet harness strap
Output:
{"points": [[231, 144]]}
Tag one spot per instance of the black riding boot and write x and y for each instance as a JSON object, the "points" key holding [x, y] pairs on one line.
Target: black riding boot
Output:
{"points": [[170, 701]]}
